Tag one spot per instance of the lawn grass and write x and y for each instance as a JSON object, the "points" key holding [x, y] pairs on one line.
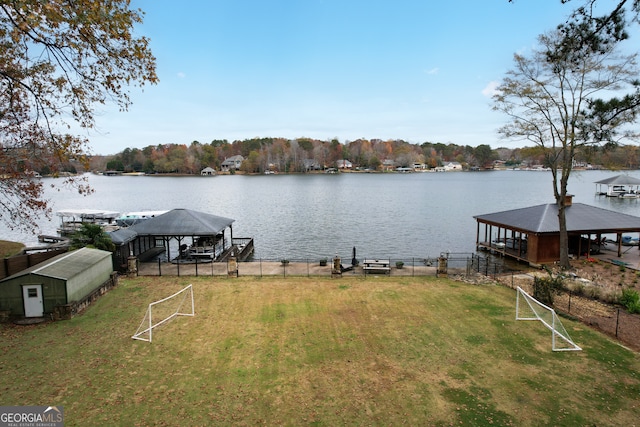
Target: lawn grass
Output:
{"points": [[316, 351], [8, 248]]}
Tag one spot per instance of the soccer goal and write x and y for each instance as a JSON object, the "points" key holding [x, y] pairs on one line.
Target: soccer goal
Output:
{"points": [[528, 308], [159, 312]]}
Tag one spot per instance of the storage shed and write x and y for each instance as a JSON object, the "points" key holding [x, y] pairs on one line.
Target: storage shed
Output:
{"points": [[60, 286]]}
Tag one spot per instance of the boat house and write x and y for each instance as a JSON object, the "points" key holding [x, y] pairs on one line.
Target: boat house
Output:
{"points": [[533, 234], [60, 286], [183, 235], [623, 186], [208, 171], [71, 220]]}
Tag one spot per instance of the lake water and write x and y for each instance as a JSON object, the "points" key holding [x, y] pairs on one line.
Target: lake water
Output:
{"points": [[311, 216]]}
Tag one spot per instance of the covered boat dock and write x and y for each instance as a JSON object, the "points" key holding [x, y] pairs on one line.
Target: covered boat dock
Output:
{"points": [[71, 220], [619, 186], [533, 234], [184, 236]]}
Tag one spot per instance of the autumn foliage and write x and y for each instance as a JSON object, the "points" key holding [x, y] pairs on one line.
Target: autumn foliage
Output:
{"points": [[59, 59]]}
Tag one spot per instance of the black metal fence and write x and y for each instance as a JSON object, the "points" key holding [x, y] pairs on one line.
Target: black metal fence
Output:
{"points": [[492, 266], [445, 264]]}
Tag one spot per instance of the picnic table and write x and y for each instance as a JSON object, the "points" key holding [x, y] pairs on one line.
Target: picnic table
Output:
{"points": [[378, 265]]}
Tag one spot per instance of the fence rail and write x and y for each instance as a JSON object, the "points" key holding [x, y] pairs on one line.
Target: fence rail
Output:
{"points": [[283, 267], [446, 263]]}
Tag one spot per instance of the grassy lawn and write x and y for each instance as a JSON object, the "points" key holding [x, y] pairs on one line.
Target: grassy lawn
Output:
{"points": [[8, 248], [314, 351]]}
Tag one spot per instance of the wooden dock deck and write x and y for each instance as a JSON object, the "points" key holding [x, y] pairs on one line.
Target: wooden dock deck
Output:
{"points": [[630, 256]]}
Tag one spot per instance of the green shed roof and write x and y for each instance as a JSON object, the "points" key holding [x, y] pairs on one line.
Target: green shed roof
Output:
{"points": [[65, 266]]}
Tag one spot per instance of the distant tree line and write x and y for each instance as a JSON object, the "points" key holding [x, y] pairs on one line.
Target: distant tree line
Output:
{"points": [[306, 154]]}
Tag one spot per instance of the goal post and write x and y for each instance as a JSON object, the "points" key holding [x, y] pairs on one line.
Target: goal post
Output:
{"points": [[528, 308], [159, 312]]}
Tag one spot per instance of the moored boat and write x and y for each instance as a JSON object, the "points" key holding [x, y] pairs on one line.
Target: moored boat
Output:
{"points": [[132, 218], [72, 219]]}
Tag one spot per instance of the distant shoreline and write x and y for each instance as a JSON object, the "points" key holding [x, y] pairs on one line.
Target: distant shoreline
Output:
{"points": [[539, 169]]}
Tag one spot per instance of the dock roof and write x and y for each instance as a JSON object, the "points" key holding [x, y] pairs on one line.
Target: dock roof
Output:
{"points": [[619, 180], [580, 218], [182, 222]]}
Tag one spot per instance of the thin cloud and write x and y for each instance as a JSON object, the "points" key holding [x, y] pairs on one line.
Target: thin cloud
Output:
{"points": [[490, 89], [432, 71]]}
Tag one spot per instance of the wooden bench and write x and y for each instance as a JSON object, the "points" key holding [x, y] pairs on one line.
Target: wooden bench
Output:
{"points": [[377, 265]]}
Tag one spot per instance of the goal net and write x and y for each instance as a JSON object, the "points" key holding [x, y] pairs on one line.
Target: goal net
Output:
{"points": [[159, 312], [528, 308]]}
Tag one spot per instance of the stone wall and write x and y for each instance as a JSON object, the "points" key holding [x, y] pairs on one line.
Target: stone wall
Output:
{"points": [[67, 311]]}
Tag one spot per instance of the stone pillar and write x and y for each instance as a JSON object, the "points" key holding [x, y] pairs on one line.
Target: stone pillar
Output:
{"points": [[232, 266], [442, 267], [336, 270], [132, 266]]}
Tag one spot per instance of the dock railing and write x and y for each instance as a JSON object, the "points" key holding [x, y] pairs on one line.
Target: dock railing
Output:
{"points": [[456, 263]]}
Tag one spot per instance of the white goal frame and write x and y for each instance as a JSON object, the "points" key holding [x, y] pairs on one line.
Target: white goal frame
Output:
{"points": [[560, 339], [147, 325]]}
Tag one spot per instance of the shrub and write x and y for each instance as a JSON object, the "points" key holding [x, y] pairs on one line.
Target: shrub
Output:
{"points": [[610, 296], [592, 292], [544, 288], [630, 300], [576, 288], [92, 236]]}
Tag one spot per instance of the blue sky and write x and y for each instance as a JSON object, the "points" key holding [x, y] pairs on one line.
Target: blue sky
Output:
{"points": [[415, 70]]}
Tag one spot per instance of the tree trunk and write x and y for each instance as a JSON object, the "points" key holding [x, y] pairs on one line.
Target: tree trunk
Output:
{"points": [[561, 199], [564, 237]]}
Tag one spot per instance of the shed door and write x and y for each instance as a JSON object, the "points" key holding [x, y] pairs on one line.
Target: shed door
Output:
{"points": [[33, 303]]}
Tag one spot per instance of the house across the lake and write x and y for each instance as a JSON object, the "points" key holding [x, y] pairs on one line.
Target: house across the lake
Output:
{"points": [[344, 164], [452, 166], [232, 163]]}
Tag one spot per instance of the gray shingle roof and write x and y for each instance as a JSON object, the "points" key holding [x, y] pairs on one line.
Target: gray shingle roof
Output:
{"points": [[183, 222], [122, 235], [580, 218], [620, 180]]}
